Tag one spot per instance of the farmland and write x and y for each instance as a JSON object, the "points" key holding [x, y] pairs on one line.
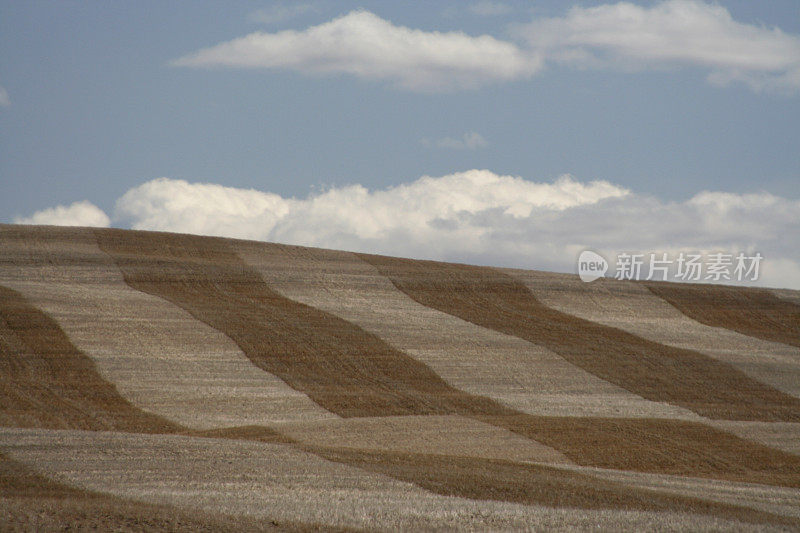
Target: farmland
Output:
{"points": [[166, 381]]}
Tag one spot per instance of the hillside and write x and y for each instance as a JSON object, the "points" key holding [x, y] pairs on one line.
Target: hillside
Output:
{"points": [[165, 381]]}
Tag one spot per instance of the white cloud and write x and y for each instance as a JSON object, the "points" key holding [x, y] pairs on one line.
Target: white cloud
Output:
{"points": [[4, 99], [475, 216], [624, 36], [675, 32], [82, 213], [202, 208], [364, 45], [481, 217], [281, 12], [490, 9], [469, 141]]}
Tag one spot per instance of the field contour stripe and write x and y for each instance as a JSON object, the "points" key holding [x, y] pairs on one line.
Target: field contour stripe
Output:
{"points": [[355, 374], [45, 381], [748, 310], [492, 299]]}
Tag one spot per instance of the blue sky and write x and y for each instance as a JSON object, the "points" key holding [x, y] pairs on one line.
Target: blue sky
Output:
{"points": [[100, 98]]}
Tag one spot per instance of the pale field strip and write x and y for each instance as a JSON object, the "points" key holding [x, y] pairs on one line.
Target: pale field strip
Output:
{"points": [[159, 357], [279, 482], [450, 435], [771, 499], [781, 435], [787, 294], [631, 307], [472, 358]]}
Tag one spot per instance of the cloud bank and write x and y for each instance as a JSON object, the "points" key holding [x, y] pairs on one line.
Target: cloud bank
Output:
{"points": [[673, 33], [625, 36], [82, 213], [475, 216], [367, 46]]}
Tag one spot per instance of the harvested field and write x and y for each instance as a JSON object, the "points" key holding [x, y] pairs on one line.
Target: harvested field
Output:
{"points": [[277, 482], [47, 382], [682, 377], [445, 435], [158, 356], [30, 501], [161, 381], [516, 373], [353, 373], [632, 307], [755, 312]]}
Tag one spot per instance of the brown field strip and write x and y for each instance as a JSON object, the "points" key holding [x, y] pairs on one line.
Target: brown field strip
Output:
{"points": [[353, 373], [46, 382], [315, 482], [632, 307], [30, 501], [751, 311], [492, 299], [338, 365], [488, 479], [159, 357], [517, 373], [446, 435], [659, 446]]}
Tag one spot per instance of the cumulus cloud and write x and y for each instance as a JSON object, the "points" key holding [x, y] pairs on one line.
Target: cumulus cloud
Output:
{"points": [[625, 36], [469, 141], [202, 208], [367, 46], [482, 217], [4, 99], [672, 33], [281, 12], [475, 216], [82, 213]]}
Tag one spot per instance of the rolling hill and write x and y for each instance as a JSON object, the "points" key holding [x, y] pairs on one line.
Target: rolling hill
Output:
{"points": [[164, 381]]}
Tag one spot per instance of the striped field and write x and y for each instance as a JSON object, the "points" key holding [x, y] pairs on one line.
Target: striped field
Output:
{"points": [[166, 382]]}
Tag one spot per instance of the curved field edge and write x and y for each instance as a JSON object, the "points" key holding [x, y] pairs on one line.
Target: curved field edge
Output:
{"points": [[755, 312], [275, 479], [353, 373], [450, 473], [687, 378]]}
